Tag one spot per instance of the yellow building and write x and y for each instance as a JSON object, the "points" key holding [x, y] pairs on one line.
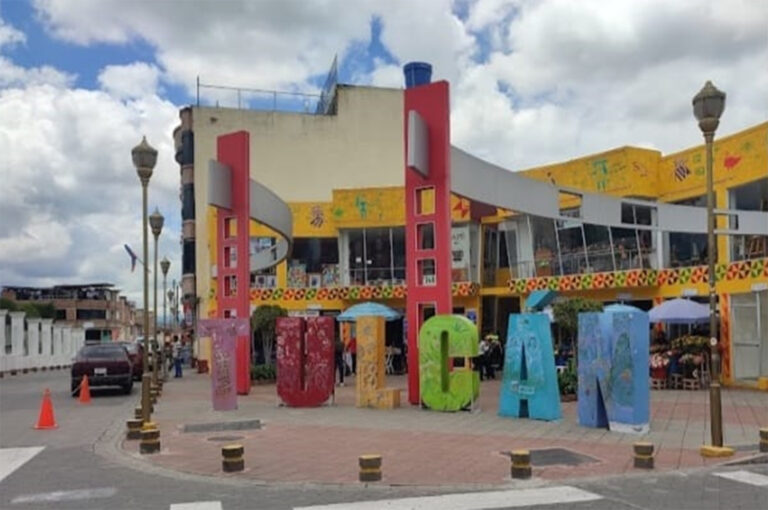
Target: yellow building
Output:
{"points": [[342, 174]]}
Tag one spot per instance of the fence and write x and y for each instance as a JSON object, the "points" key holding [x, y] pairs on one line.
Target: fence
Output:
{"points": [[33, 343], [257, 99]]}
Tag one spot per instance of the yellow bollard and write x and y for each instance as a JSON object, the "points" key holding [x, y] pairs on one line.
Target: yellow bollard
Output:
{"points": [[134, 429], [370, 468], [521, 464], [232, 458], [150, 438], [643, 455]]}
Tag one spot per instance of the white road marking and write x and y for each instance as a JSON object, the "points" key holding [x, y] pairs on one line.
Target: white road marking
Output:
{"points": [[745, 477], [197, 505], [47, 497], [472, 501], [12, 459]]}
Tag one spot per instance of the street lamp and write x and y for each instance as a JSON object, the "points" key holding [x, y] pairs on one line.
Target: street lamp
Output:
{"points": [[165, 264], [144, 159], [708, 106], [156, 221]]}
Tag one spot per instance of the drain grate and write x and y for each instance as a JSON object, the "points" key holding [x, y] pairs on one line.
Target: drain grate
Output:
{"points": [[222, 425], [225, 439], [557, 456]]}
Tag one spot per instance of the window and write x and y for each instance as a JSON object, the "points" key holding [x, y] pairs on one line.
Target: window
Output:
{"points": [[311, 259], [83, 315], [375, 256], [688, 249], [749, 197]]}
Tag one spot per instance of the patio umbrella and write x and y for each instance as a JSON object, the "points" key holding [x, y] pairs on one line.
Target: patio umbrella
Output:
{"points": [[679, 311], [368, 309], [620, 307]]}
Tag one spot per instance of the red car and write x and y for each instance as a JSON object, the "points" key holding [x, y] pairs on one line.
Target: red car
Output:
{"points": [[105, 365], [136, 353]]}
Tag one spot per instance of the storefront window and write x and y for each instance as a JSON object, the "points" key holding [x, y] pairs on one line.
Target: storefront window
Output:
{"points": [[688, 249], [310, 260], [376, 255], [750, 197]]}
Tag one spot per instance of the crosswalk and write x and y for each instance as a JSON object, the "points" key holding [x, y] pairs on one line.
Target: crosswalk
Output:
{"points": [[13, 459]]}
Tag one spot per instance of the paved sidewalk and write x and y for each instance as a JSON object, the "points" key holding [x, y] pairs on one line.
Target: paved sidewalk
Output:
{"points": [[422, 447]]}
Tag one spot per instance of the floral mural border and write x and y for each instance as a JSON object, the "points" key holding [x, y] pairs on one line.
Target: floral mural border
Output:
{"points": [[642, 277], [353, 293]]}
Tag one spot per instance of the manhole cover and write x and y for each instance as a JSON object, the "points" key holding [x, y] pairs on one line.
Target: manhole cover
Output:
{"points": [[225, 438], [557, 456]]}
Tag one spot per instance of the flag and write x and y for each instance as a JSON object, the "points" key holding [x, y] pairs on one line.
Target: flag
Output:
{"points": [[133, 256]]}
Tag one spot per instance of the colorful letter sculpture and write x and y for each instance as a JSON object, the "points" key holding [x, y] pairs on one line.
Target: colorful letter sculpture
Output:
{"points": [[529, 385], [442, 338], [224, 334], [613, 370], [305, 360], [370, 366]]}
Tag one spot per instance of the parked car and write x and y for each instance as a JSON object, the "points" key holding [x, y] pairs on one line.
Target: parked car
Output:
{"points": [[105, 365], [136, 353]]}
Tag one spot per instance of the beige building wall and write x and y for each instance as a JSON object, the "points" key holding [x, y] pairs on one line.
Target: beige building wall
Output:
{"points": [[303, 157]]}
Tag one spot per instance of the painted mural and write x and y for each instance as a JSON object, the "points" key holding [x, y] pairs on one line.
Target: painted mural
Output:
{"points": [[370, 390], [305, 360], [529, 385], [443, 338], [613, 370], [223, 333]]}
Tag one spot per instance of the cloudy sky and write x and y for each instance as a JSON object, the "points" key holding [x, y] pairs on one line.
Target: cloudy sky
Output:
{"points": [[532, 82]]}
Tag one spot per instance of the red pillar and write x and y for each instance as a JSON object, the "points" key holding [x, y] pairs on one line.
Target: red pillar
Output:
{"points": [[431, 101], [232, 255]]}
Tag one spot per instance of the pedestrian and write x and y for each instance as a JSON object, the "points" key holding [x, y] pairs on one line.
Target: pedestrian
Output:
{"points": [[352, 349], [339, 357], [482, 358], [177, 357]]}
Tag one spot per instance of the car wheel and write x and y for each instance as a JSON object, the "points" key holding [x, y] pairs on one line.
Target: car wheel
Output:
{"points": [[75, 388]]}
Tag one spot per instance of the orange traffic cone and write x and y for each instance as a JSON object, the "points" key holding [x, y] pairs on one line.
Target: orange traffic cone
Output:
{"points": [[46, 420], [85, 391]]}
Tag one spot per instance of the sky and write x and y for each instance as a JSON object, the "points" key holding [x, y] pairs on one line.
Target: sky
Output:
{"points": [[532, 82]]}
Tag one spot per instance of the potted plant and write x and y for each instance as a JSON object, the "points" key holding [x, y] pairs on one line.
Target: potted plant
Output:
{"points": [[568, 382]]}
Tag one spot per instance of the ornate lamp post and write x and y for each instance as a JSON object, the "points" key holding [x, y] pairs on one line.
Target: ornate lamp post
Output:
{"points": [[144, 159], [173, 309], [708, 106], [156, 221], [165, 264]]}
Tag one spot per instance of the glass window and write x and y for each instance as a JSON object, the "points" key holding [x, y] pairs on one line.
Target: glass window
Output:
{"points": [[378, 255], [398, 252], [356, 257], [749, 197]]}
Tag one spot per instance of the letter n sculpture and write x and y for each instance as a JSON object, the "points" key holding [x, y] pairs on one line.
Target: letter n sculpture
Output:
{"points": [[305, 360], [613, 370]]}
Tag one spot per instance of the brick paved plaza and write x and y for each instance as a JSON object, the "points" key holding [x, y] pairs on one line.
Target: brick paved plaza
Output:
{"points": [[421, 447]]}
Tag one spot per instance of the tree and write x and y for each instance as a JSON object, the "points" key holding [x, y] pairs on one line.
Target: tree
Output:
{"points": [[8, 304], [567, 312], [263, 322]]}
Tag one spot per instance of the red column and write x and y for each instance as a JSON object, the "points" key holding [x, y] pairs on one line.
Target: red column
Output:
{"points": [[432, 103], [234, 281]]}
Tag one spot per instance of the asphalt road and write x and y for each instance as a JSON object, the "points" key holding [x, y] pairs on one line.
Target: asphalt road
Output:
{"points": [[78, 466]]}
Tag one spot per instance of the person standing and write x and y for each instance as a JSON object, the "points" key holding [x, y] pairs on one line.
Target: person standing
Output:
{"points": [[339, 358], [484, 349], [177, 358], [352, 349]]}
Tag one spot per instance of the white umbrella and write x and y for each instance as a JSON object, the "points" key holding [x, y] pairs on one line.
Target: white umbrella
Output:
{"points": [[679, 311]]}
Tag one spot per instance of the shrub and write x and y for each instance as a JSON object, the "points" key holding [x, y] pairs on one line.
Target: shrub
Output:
{"points": [[263, 373], [568, 379]]}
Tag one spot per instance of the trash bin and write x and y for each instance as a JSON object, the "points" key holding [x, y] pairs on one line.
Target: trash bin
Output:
{"points": [[417, 73]]}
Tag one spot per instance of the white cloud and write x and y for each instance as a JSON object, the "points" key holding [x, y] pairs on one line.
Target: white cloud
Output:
{"points": [[138, 79], [9, 36]]}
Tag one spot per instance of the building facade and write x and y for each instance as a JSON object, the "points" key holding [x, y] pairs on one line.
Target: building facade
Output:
{"points": [[98, 308], [342, 174]]}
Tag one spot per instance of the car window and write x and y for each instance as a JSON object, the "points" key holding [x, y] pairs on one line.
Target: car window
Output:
{"points": [[103, 351]]}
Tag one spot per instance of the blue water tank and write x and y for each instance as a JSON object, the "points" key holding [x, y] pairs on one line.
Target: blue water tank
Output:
{"points": [[417, 73]]}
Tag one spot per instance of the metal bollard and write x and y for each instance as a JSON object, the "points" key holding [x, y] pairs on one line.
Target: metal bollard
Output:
{"points": [[150, 438], [521, 464], [232, 458], [370, 468], [137, 413], [134, 429], [764, 440], [643, 455]]}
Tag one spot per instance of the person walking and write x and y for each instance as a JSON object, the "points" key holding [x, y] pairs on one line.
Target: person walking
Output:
{"points": [[484, 349], [177, 358]]}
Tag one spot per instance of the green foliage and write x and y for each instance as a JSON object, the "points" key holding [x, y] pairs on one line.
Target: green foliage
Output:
{"points": [[263, 373], [263, 321], [8, 304], [567, 312], [30, 309], [568, 379]]}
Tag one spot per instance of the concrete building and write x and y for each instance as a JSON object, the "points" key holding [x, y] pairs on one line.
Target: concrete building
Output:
{"points": [[98, 308], [342, 172]]}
